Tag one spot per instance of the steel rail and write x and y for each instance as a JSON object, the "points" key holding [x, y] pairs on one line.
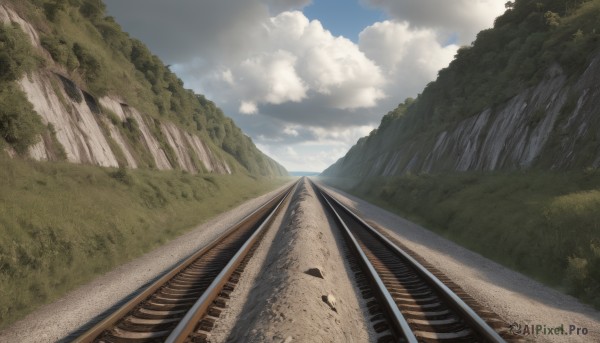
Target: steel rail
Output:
{"points": [[454, 301], [110, 321], [400, 324], [195, 314]]}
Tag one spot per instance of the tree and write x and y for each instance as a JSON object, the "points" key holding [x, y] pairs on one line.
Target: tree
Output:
{"points": [[92, 9], [20, 126], [16, 54], [552, 19], [52, 8]]}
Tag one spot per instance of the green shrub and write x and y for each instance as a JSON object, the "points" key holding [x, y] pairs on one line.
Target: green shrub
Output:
{"points": [[58, 148], [53, 8], [91, 66], [16, 55], [20, 125], [583, 274], [122, 175], [61, 51], [92, 9], [132, 127]]}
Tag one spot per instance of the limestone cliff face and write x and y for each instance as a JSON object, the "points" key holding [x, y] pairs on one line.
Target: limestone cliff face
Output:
{"points": [[84, 132], [552, 125], [107, 131]]}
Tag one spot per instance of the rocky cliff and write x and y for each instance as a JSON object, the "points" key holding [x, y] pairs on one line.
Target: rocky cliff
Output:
{"points": [[106, 130], [550, 119], [89, 136], [552, 125]]}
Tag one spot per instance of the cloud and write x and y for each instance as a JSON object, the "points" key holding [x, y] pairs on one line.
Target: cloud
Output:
{"points": [[269, 77], [325, 147], [460, 18], [185, 30], [294, 59], [411, 56], [248, 107], [286, 80]]}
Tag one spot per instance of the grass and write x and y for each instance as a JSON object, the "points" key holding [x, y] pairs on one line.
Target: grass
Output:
{"points": [[63, 224], [543, 224]]}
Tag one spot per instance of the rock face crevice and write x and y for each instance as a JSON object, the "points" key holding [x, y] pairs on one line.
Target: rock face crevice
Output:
{"points": [[553, 125]]}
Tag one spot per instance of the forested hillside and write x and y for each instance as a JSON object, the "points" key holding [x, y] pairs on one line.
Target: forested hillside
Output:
{"points": [[67, 56], [523, 95], [501, 152]]}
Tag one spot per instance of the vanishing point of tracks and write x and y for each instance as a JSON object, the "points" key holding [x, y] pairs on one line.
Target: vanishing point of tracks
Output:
{"points": [[409, 302], [183, 304], [406, 302]]}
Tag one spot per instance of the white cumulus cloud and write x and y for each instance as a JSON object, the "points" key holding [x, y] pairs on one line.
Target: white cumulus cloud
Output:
{"points": [[460, 18], [411, 57], [287, 81], [293, 57]]}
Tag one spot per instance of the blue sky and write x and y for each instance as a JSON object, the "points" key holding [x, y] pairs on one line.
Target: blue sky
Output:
{"points": [[301, 92], [344, 17]]}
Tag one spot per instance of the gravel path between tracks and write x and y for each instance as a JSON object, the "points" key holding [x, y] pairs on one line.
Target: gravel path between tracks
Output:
{"points": [[55, 321], [276, 301], [513, 296]]}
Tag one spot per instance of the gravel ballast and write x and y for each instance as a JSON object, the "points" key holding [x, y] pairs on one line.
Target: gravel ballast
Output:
{"points": [[55, 321], [513, 296], [297, 287]]}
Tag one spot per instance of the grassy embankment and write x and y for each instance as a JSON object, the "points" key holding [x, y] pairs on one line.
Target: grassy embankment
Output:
{"points": [[63, 224], [545, 225]]}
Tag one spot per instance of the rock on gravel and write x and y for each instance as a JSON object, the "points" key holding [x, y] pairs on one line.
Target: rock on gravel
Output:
{"points": [[285, 303], [316, 272]]}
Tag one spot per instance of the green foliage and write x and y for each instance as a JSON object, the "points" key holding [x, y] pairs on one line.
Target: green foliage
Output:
{"points": [[112, 116], [544, 224], [53, 8], [122, 175], [92, 9], [132, 126], [56, 146], [16, 56], [91, 66], [583, 274], [20, 126], [88, 220], [61, 51], [114, 37]]}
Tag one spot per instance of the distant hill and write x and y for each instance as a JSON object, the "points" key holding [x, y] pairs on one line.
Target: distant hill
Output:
{"points": [[303, 173]]}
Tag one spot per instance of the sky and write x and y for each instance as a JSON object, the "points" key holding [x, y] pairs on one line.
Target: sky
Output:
{"points": [[306, 79]]}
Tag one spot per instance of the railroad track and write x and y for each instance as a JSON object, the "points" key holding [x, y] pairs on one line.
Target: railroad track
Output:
{"points": [[419, 307], [184, 303]]}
